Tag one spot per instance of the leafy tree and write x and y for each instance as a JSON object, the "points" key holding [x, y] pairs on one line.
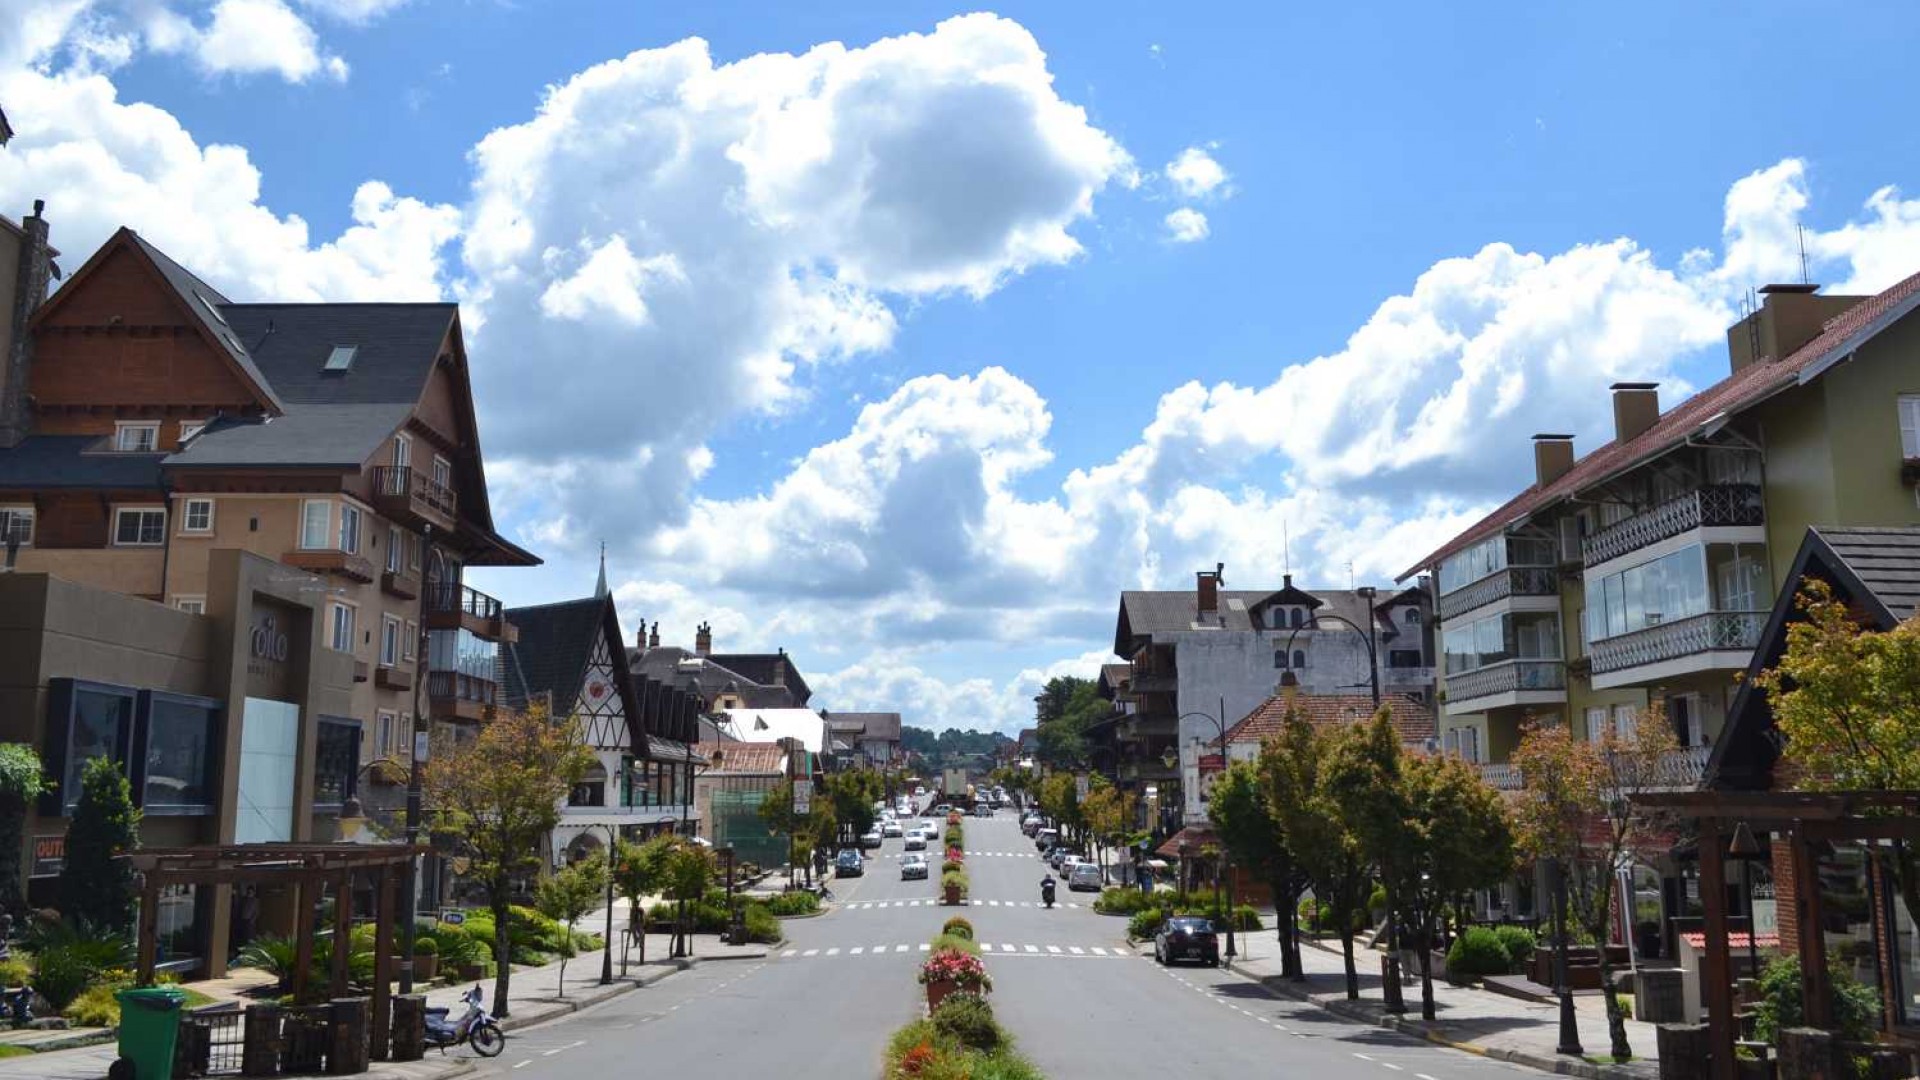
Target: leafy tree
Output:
{"points": [[1847, 702], [639, 871], [496, 798], [1461, 842], [1060, 739], [687, 871], [96, 884], [21, 781], [1363, 781], [1575, 807], [1060, 800], [1109, 814], [1247, 827], [572, 891], [1054, 699], [1292, 768], [853, 793]]}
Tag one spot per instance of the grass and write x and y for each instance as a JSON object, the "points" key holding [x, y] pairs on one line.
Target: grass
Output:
{"points": [[13, 1051]]}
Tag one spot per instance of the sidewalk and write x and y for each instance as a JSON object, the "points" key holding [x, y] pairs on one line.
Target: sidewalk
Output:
{"points": [[1468, 1018]]}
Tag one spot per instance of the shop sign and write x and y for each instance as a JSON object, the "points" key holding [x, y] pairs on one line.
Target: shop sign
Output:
{"points": [[453, 917], [269, 650], [49, 855], [803, 797]]}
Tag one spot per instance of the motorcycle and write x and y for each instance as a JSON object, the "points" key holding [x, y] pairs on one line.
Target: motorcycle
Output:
{"points": [[476, 1027], [1046, 891]]}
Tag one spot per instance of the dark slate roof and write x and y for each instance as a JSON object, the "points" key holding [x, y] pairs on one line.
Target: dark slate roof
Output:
{"points": [[556, 641], [336, 435], [768, 669], [1886, 562], [63, 461], [869, 725], [397, 344], [206, 304], [1147, 612]]}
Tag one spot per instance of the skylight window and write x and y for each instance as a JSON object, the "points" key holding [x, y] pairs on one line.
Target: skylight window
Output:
{"points": [[341, 358], [211, 310]]}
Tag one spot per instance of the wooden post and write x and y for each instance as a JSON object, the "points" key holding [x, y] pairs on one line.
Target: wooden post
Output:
{"points": [[342, 931], [305, 887], [149, 927], [1716, 971], [382, 960], [1818, 1001]]}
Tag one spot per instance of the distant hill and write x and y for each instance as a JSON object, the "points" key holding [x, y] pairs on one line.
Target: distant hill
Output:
{"points": [[952, 747]]}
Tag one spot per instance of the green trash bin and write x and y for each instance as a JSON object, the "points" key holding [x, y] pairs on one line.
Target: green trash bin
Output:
{"points": [[149, 1026]]}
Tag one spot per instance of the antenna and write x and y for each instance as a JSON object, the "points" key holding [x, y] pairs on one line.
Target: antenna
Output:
{"points": [[1286, 548], [1805, 277]]}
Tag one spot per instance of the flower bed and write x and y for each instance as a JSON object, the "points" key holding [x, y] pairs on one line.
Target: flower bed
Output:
{"points": [[959, 1036]]}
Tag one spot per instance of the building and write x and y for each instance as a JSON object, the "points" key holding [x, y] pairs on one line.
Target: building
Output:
{"points": [[1412, 720], [806, 728], [734, 681], [1645, 570], [870, 738], [572, 658], [1195, 657], [728, 794]]}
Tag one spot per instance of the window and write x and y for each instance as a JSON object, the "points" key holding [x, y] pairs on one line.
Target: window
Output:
{"points": [[442, 472], [211, 310], [1910, 425], [174, 773], [341, 358], [336, 761], [1596, 724], [407, 647], [1404, 658], [199, 517], [383, 735], [16, 525], [1299, 660], [193, 605], [403, 738], [99, 724], [1410, 616], [349, 527], [190, 428], [389, 641], [140, 438], [413, 552], [1470, 744], [1297, 617], [395, 556], [1280, 658], [315, 516], [342, 639], [402, 451], [139, 526]]}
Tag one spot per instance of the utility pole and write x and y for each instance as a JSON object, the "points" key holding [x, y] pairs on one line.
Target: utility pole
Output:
{"points": [[415, 776]]}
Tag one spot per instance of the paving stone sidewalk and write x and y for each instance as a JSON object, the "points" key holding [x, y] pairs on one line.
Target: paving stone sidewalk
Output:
{"points": [[1467, 1018]]}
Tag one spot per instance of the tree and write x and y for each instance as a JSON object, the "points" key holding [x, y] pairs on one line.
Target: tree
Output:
{"points": [[1247, 827], [1846, 700], [1362, 780], [686, 873], [21, 781], [1060, 800], [853, 793], [638, 871], [496, 798], [1575, 807], [1109, 814], [571, 892], [1063, 712], [96, 884], [1053, 700], [1461, 842], [1291, 769]]}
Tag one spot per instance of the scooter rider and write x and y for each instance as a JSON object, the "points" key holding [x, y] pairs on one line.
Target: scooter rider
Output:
{"points": [[1046, 890]]}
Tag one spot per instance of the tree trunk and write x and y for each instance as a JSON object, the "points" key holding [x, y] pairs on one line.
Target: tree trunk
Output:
{"points": [[1285, 915], [1426, 963], [1616, 1020], [502, 948], [1346, 951]]}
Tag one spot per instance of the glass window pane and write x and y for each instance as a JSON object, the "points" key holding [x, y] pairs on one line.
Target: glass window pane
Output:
{"points": [[313, 525], [179, 738], [101, 725]]}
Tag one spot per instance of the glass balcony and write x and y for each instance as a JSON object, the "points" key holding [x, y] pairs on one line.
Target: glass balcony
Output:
{"points": [[1718, 505]]}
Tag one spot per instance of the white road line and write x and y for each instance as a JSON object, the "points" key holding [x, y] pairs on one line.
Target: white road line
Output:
{"points": [[1361, 1056], [1033, 948], [1054, 949], [811, 952], [1076, 950], [1392, 1066], [899, 948], [925, 947], [1098, 951], [984, 947], [523, 1064], [550, 1053], [789, 952], [1423, 1076], [856, 950], [833, 952]]}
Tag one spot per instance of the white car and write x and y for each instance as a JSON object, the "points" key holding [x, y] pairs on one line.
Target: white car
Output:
{"points": [[927, 826], [913, 866], [916, 842], [892, 828]]}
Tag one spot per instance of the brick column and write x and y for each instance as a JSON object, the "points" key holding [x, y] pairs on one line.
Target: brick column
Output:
{"points": [[1785, 896]]}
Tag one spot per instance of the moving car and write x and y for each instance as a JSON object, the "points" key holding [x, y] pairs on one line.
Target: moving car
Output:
{"points": [[849, 864], [916, 841], [1185, 937], [929, 827], [983, 810], [871, 838], [913, 866], [1084, 877], [892, 828], [919, 792]]}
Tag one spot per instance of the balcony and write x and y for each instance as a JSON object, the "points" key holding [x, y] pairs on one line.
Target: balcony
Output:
{"points": [[1406, 678], [1147, 681], [400, 583], [453, 606], [412, 498], [1510, 682], [1717, 506], [393, 677], [1677, 770], [1135, 728], [331, 561], [1517, 581], [1500, 777], [454, 696], [1717, 639], [1147, 772]]}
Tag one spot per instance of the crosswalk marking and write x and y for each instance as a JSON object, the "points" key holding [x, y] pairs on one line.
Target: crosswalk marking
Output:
{"points": [[856, 950], [1033, 948], [925, 946], [1055, 949], [833, 952], [1076, 950], [984, 947], [899, 948], [1098, 951], [790, 952], [811, 952]]}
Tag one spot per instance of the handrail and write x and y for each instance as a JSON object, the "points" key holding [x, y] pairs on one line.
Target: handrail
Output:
{"points": [[1713, 631], [1712, 505]]}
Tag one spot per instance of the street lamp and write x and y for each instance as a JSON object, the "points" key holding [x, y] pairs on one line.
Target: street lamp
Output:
{"points": [[606, 957], [1746, 850], [1226, 863], [1569, 1024]]}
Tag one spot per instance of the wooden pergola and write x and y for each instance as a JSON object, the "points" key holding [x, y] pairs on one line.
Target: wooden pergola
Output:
{"points": [[1801, 819], [309, 868]]}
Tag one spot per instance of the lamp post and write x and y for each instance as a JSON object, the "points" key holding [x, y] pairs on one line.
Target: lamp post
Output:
{"points": [[1746, 850], [606, 956], [1569, 1025], [1225, 864]]}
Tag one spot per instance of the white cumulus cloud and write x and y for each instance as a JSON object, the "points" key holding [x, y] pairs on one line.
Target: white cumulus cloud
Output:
{"points": [[1195, 174], [1186, 225]]}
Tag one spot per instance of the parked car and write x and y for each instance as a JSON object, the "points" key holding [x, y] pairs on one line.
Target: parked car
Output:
{"points": [[1045, 838], [928, 826], [892, 828], [1084, 877], [916, 841], [1058, 857], [920, 793], [849, 864], [943, 808], [1185, 937], [1030, 824], [912, 866], [871, 838]]}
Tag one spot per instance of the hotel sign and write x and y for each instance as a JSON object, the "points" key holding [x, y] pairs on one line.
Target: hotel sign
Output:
{"points": [[271, 629]]}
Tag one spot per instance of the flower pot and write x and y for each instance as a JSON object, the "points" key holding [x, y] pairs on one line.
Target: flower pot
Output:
{"points": [[472, 971], [953, 894], [426, 966], [937, 991]]}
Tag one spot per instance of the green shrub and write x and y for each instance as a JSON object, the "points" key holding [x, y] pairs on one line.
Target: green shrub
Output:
{"points": [[425, 946], [762, 926], [952, 867], [16, 970], [797, 902], [1377, 901], [956, 943], [60, 974], [1519, 943], [454, 945], [952, 878], [1475, 954], [968, 1019], [95, 1007], [1146, 923], [1122, 901], [1856, 1008], [958, 926]]}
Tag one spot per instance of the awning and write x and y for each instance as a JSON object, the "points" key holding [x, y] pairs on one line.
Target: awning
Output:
{"points": [[1196, 837]]}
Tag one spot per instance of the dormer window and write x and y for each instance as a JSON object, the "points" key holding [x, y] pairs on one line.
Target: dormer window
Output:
{"points": [[1411, 616], [142, 438], [341, 358]]}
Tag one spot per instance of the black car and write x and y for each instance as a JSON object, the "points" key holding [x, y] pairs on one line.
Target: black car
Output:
{"points": [[1185, 937], [849, 864]]}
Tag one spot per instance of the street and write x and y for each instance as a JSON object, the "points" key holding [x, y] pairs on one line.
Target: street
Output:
{"points": [[1080, 1000]]}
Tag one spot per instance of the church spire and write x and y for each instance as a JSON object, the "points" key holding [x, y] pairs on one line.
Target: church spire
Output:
{"points": [[600, 587]]}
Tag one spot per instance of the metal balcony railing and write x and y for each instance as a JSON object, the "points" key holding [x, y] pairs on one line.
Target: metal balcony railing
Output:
{"points": [[1715, 505], [453, 598], [1514, 581], [1500, 777], [1711, 632], [1678, 770], [395, 482], [1506, 677], [1397, 678]]}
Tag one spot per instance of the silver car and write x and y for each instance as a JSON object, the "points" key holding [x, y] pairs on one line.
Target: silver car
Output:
{"points": [[913, 865], [1084, 876]]}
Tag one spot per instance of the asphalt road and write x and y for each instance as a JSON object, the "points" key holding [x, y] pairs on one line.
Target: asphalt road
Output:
{"points": [[1080, 1001]]}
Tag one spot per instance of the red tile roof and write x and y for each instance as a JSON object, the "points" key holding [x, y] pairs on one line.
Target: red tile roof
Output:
{"points": [[1412, 719], [1738, 391]]}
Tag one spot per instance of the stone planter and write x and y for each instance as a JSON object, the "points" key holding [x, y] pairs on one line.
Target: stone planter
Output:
{"points": [[472, 971], [937, 991], [426, 966], [953, 895]]}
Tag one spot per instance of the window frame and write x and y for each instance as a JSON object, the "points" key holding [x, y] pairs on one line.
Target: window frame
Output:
{"points": [[190, 428], [349, 513], [159, 536], [199, 601], [306, 523], [335, 610], [350, 782], [396, 558], [11, 513], [389, 625], [186, 515], [443, 472], [384, 721], [410, 642], [143, 741], [123, 428], [63, 701], [1908, 413], [403, 451]]}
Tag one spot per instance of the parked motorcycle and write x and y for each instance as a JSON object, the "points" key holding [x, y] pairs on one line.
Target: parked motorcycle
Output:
{"points": [[1046, 890], [477, 1027]]}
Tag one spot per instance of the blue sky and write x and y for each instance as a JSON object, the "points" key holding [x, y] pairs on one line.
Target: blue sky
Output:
{"points": [[891, 354]]}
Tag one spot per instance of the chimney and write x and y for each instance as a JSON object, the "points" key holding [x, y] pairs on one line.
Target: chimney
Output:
{"points": [[703, 639], [1552, 457], [653, 639], [1636, 405], [31, 275], [1208, 587], [1789, 316]]}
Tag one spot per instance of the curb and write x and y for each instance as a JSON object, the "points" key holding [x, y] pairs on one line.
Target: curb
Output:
{"points": [[569, 1006]]}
